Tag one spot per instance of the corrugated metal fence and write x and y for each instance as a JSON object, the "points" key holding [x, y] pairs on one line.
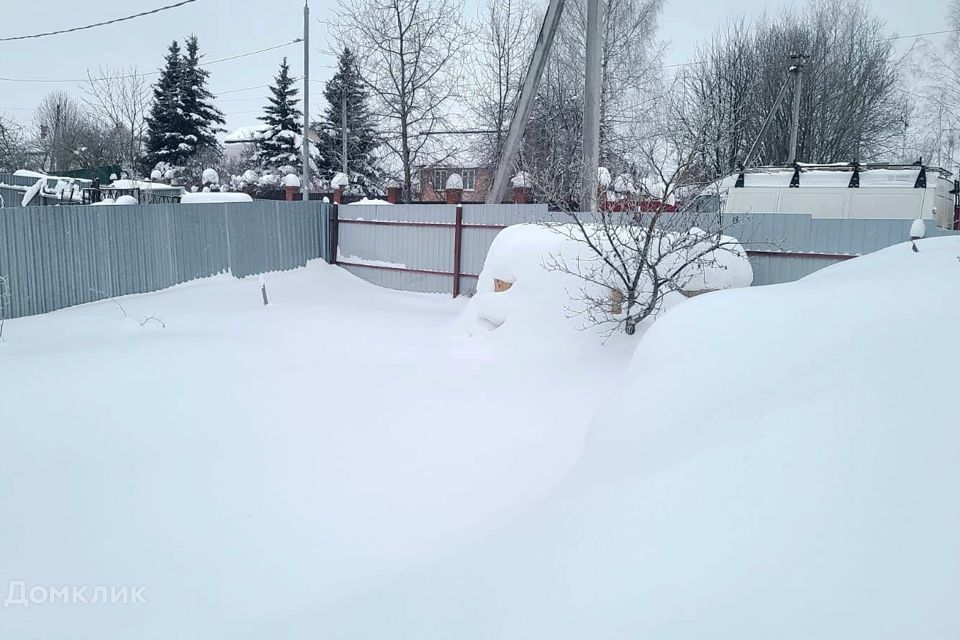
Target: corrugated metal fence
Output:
{"points": [[415, 247], [56, 257], [786, 247]]}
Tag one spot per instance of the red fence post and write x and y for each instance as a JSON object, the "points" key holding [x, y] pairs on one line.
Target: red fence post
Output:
{"points": [[457, 245]]}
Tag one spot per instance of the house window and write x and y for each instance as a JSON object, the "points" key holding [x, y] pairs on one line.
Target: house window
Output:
{"points": [[469, 179], [439, 179]]}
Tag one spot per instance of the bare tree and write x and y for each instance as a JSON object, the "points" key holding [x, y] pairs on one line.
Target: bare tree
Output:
{"points": [[409, 53], [651, 237], [932, 123], [119, 99], [503, 43], [851, 107], [58, 123], [13, 146], [630, 62]]}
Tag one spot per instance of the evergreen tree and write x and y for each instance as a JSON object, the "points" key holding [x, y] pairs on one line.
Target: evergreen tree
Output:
{"points": [[202, 119], [362, 140], [279, 145], [166, 125]]}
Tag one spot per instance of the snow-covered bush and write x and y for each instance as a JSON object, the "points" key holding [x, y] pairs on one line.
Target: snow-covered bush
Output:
{"points": [[557, 283], [603, 177], [210, 177]]}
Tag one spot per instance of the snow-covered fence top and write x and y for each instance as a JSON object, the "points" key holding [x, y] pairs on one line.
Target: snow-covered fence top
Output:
{"points": [[56, 257]]}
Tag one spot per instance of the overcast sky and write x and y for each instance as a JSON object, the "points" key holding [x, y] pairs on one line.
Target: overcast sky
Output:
{"points": [[230, 27]]}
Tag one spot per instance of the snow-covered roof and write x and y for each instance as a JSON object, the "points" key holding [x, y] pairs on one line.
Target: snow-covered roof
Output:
{"points": [[207, 197], [838, 175], [245, 134]]}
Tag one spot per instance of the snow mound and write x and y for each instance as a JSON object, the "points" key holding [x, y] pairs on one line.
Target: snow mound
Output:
{"points": [[340, 180], [375, 201], [455, 181], [522, 180], [126, 200], [603, 177], [779, 462], [32, 192], [214, 197], [290, 180], [534, 300], [536, 268]]}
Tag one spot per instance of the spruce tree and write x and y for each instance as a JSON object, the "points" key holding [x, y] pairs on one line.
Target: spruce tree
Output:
{"points": [[166, 126], [202, 118], [279, 145], [362, 140]]}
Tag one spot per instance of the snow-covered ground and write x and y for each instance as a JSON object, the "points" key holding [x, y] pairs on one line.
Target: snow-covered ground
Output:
{"points": [[249, 464], [350, 462], [778, 462]]}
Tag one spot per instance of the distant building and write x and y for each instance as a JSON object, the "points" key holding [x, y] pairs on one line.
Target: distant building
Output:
{"points": [[238, 143], [477, 181]]}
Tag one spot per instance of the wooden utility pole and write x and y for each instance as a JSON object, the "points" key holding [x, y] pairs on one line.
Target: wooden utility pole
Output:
{"points": [[797, 70]]}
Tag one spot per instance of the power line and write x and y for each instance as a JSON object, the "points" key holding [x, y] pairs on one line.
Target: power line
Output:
{"points": [[920, 35], [259, 86], [148, 73], [97, 24]]}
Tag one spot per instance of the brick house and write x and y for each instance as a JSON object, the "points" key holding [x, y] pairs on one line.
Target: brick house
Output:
{"points": [[476, 182]]}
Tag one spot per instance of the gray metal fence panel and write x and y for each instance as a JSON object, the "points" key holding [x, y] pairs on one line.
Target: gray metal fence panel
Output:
{"points": [[783, 247], [505, 214], [55, 257], [399, 213]]}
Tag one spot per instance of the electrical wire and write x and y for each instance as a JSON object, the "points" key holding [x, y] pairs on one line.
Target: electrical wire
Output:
{"points": [[148, 73], [97, 24]]}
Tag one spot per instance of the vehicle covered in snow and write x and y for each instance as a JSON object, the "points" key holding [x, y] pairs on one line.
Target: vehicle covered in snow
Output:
{"points": [[842, 191]]}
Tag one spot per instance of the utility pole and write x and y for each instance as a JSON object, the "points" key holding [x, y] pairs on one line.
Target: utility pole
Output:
{"points": [[797, 70], [508, 155], [591, 109], [343, 123], [305, 180]]}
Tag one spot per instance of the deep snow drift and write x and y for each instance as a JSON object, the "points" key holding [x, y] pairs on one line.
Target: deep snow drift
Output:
{"points": [[777, 462], [250, 464], [780, 462]]}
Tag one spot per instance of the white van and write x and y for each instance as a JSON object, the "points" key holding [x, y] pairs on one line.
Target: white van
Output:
{"points": [[842, 191]]}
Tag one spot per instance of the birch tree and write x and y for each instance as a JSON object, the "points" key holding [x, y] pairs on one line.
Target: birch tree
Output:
{"points": [[851, 106], [410, 54], [504, 36], [631, 82], [120, 98]]}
